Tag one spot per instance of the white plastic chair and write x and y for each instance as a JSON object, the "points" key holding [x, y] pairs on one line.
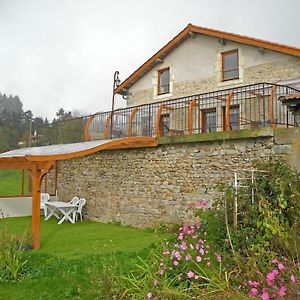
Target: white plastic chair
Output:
{"points": [[44, 198], [81, 203], [75, 201]]}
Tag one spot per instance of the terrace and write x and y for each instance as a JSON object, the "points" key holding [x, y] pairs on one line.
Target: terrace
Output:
{"points": [[250, 106]]}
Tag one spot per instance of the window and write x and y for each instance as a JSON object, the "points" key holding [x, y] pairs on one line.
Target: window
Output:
{"points": [[234, 117], [163, 81], [230, 65], [209, 120]]}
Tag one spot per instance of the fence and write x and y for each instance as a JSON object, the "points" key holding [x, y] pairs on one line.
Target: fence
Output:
{"points": [[250, 106]]}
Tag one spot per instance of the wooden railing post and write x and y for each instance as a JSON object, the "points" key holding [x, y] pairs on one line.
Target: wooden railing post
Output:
{"points": [[271, 106], [132, 115], [107, 121], [192, 105], [227, 111]]}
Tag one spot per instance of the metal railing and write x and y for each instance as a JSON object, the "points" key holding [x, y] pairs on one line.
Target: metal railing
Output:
{"points": [[250, 106]]}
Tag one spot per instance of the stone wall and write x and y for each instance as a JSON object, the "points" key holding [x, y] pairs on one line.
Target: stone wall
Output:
{"points": [[148, 186]]}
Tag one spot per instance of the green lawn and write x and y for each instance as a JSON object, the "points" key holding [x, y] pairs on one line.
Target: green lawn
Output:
{"points": [[11, 182], [66, 266]]}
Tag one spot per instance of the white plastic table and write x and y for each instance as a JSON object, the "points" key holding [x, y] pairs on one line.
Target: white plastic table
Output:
{"points": [[66, 209]]}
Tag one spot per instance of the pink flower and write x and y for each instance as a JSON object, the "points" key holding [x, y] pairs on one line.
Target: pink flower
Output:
{"points": [[188, 257], [218, 257], [271, 276], [265, 295], [175, 263], [198, 258], [196, 277], [274, 261], [190, 274], [253, 283], [161, 272], [281, 266], [201, 204], [201, 251], [149, 296], [282, 291], [292, 278], [253, 292]]}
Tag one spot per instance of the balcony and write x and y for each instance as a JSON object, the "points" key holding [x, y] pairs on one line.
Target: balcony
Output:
{"points": [[250, 106]]}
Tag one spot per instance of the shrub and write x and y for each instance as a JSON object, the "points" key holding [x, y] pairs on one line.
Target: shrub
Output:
{"points": [[179, 270], [12, 259], [281, 281]]}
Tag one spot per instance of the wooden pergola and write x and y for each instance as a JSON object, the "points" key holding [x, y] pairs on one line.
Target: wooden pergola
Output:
{"points": [[39, 161]]}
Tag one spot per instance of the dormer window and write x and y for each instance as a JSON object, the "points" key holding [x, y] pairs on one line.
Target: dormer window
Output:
{"points": [[163, 81], [230, 65]]}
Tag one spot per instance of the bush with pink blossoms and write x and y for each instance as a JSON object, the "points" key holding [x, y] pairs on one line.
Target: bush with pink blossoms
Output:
{"points": [[188, 255], [282, 281]]}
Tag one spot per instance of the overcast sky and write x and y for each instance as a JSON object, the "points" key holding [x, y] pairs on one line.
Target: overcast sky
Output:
{"points": [[63, 53]]}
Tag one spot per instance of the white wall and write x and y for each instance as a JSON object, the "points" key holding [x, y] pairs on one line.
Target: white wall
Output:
{"points": [[199, 58]]}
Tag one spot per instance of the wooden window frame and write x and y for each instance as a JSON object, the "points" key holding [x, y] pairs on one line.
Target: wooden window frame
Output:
{"points": [[204, 120], [159, 72], [223, 54]]}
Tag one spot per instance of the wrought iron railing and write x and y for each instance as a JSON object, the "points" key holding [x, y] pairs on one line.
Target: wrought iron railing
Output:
{"points": [[250, 106]]}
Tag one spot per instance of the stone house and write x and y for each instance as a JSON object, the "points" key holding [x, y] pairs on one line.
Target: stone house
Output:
{"points": [[200, 60], [210, 99]]}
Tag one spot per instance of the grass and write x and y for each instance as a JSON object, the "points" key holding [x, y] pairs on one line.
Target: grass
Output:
{"points": [[70, 255], [11, 183]]}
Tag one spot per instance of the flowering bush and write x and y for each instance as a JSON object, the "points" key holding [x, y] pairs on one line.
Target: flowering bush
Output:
{"points": [[280, 283], [186, 257]]}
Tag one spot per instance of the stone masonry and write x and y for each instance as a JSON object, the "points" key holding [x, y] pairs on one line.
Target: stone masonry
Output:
{"points": [[148, 186]]}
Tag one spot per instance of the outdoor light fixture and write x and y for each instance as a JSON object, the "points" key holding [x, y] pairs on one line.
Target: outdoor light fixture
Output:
{"points": [[116, 83]]}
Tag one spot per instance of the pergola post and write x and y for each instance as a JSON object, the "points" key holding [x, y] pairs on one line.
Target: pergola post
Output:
{"points": [[36, 198]]}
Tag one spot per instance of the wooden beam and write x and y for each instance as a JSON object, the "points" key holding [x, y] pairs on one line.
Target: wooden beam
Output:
{"points": [[87, 126], [106, 126], [158, 118], [132, 115], [192, 105], [22, 186], [37, 172], [227, 110], [15, 165], [36, 195], [136, 143], [271, 106]]}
